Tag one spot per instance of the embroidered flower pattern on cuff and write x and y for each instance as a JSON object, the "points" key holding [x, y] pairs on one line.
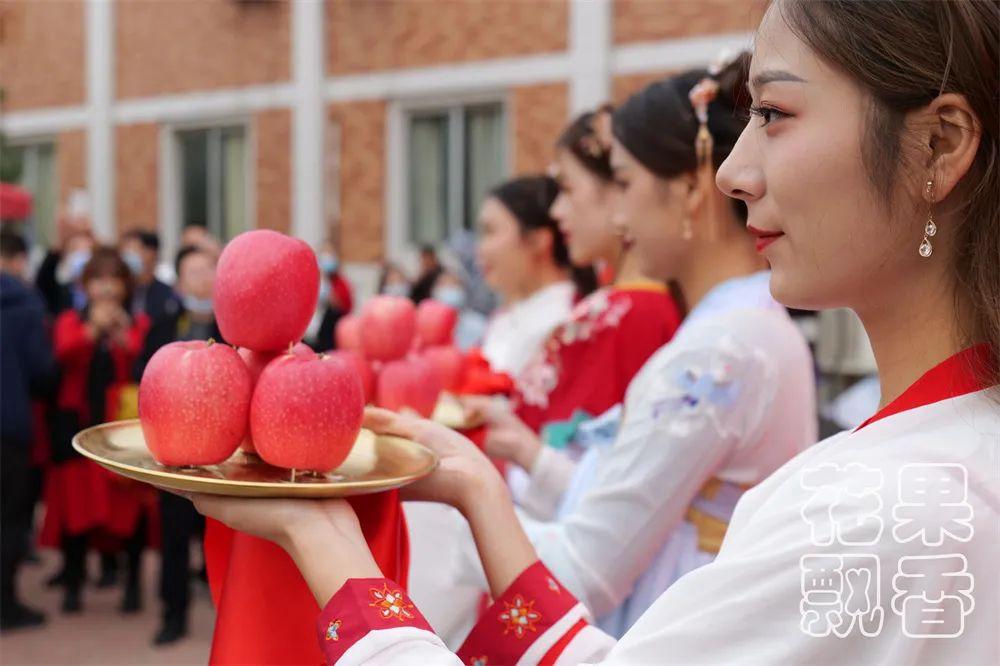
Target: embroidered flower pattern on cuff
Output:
{"points": [[391, 603], [519, 617], [331, 631]]}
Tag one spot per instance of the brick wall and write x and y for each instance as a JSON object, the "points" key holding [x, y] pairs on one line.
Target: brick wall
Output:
{"points": [[136, 189], [537, 115], [175, 46], [649, 20], [371, 35], [71, 162], [626, 85], [362, 179], [41, 54], [273, 171]]}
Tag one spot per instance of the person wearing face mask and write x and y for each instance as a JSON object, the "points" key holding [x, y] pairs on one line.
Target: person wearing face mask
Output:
{"points": [[95, 347], [471, 325], [179, 523], [27, 370], [335, 297], [141, 251], [58, 276], [393, 281]]}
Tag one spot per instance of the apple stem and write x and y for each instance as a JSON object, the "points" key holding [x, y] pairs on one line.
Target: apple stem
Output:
{"points": [[291, 346], [210, 341], [293, 475]]}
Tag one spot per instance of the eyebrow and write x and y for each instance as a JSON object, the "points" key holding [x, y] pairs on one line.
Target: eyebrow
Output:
{"points": [[774, 76]]}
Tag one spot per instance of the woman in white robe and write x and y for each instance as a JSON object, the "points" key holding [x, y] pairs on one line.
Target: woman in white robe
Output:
{"points": [[652, 496], [523, 257], [875, 546]]}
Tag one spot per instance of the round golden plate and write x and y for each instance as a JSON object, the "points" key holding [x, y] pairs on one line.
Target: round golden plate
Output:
{"points": [[376, 463], [450, 412]]}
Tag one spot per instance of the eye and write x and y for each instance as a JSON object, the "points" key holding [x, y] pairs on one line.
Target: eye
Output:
{"points": [[767, 114]]}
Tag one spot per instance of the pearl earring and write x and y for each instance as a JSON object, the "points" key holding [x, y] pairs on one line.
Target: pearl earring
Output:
{"points": [[930, 229]]}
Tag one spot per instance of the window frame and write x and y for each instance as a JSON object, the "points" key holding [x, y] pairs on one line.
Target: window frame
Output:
{"points": [[171, 205], [30, 141], [399, 246]]}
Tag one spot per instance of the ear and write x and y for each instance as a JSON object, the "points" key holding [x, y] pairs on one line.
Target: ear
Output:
{"points": [[541, 241], [953, 134], [695, 196]]}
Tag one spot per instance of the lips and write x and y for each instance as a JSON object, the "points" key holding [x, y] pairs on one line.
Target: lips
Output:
{"points": [[764, 238]]}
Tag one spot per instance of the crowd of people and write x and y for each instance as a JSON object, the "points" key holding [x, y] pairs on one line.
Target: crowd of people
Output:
{"points": [[78, 330], [643, 483]]}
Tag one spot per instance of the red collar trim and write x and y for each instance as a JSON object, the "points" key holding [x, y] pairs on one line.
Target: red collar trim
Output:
{"points": [[957, 375]]}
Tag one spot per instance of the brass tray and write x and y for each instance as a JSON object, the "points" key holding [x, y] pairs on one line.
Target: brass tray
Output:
{"points": [[376, 463], [450, 412]]}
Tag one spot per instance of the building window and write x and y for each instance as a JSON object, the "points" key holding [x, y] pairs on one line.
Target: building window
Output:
{"points": [[33, 167], [213, 179], [455, 155]]}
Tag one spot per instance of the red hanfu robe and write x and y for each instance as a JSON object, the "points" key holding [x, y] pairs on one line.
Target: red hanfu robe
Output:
{"points": [[588, 361]]}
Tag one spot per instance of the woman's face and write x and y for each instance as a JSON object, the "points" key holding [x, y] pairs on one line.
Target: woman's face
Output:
{"points": [[651, 210], [583, 211], [105, 288], [798, 166], [506, 256]]}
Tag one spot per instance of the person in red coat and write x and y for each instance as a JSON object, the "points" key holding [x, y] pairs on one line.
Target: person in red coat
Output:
{"points": [[95, 348]]}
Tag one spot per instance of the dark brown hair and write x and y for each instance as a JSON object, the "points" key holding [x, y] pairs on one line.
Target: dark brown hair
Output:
{"points": [[905, 54], [581, 140], [106, 262], [529, 199], [658, 125]]}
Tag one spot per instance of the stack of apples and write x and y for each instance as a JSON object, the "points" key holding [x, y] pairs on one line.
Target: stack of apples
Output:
{"points": [[199, 401], [405, 352]]}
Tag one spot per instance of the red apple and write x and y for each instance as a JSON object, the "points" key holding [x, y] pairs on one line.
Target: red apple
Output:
{"points": [[449, 363], [364, 369], [306, 411], [387, 325], [435, 323], [194, 398], [410, 383], [266, 288], [347, 335], [256, 362]]}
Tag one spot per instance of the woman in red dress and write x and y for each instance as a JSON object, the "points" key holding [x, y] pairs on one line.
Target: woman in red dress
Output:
{"points": [[95, 348]]}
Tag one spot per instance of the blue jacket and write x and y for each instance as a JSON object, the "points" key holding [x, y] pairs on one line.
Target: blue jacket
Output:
{"points": [[26, 362]]}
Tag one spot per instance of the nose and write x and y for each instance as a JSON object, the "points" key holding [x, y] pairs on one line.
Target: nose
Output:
{"points": [[740, 175]]}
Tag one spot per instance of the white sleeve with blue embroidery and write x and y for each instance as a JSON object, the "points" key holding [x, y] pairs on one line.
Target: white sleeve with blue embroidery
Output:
{"points": [[694, 403]]}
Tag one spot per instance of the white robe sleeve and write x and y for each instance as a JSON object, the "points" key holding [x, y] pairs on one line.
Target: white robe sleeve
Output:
{"points": [[690, 408], [548, 480]]}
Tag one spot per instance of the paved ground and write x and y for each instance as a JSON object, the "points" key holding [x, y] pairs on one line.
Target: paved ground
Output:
{"points": [[100, 635]]}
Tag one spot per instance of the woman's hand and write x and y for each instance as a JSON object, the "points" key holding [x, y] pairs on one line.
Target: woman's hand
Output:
{"points": [[324, 537], [507, 436], [514, 441], [463, 471], [278, 520]]}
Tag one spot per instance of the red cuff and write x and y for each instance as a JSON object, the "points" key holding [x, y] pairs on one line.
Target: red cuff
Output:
{"points": [[360, 606], [531, 605]]}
